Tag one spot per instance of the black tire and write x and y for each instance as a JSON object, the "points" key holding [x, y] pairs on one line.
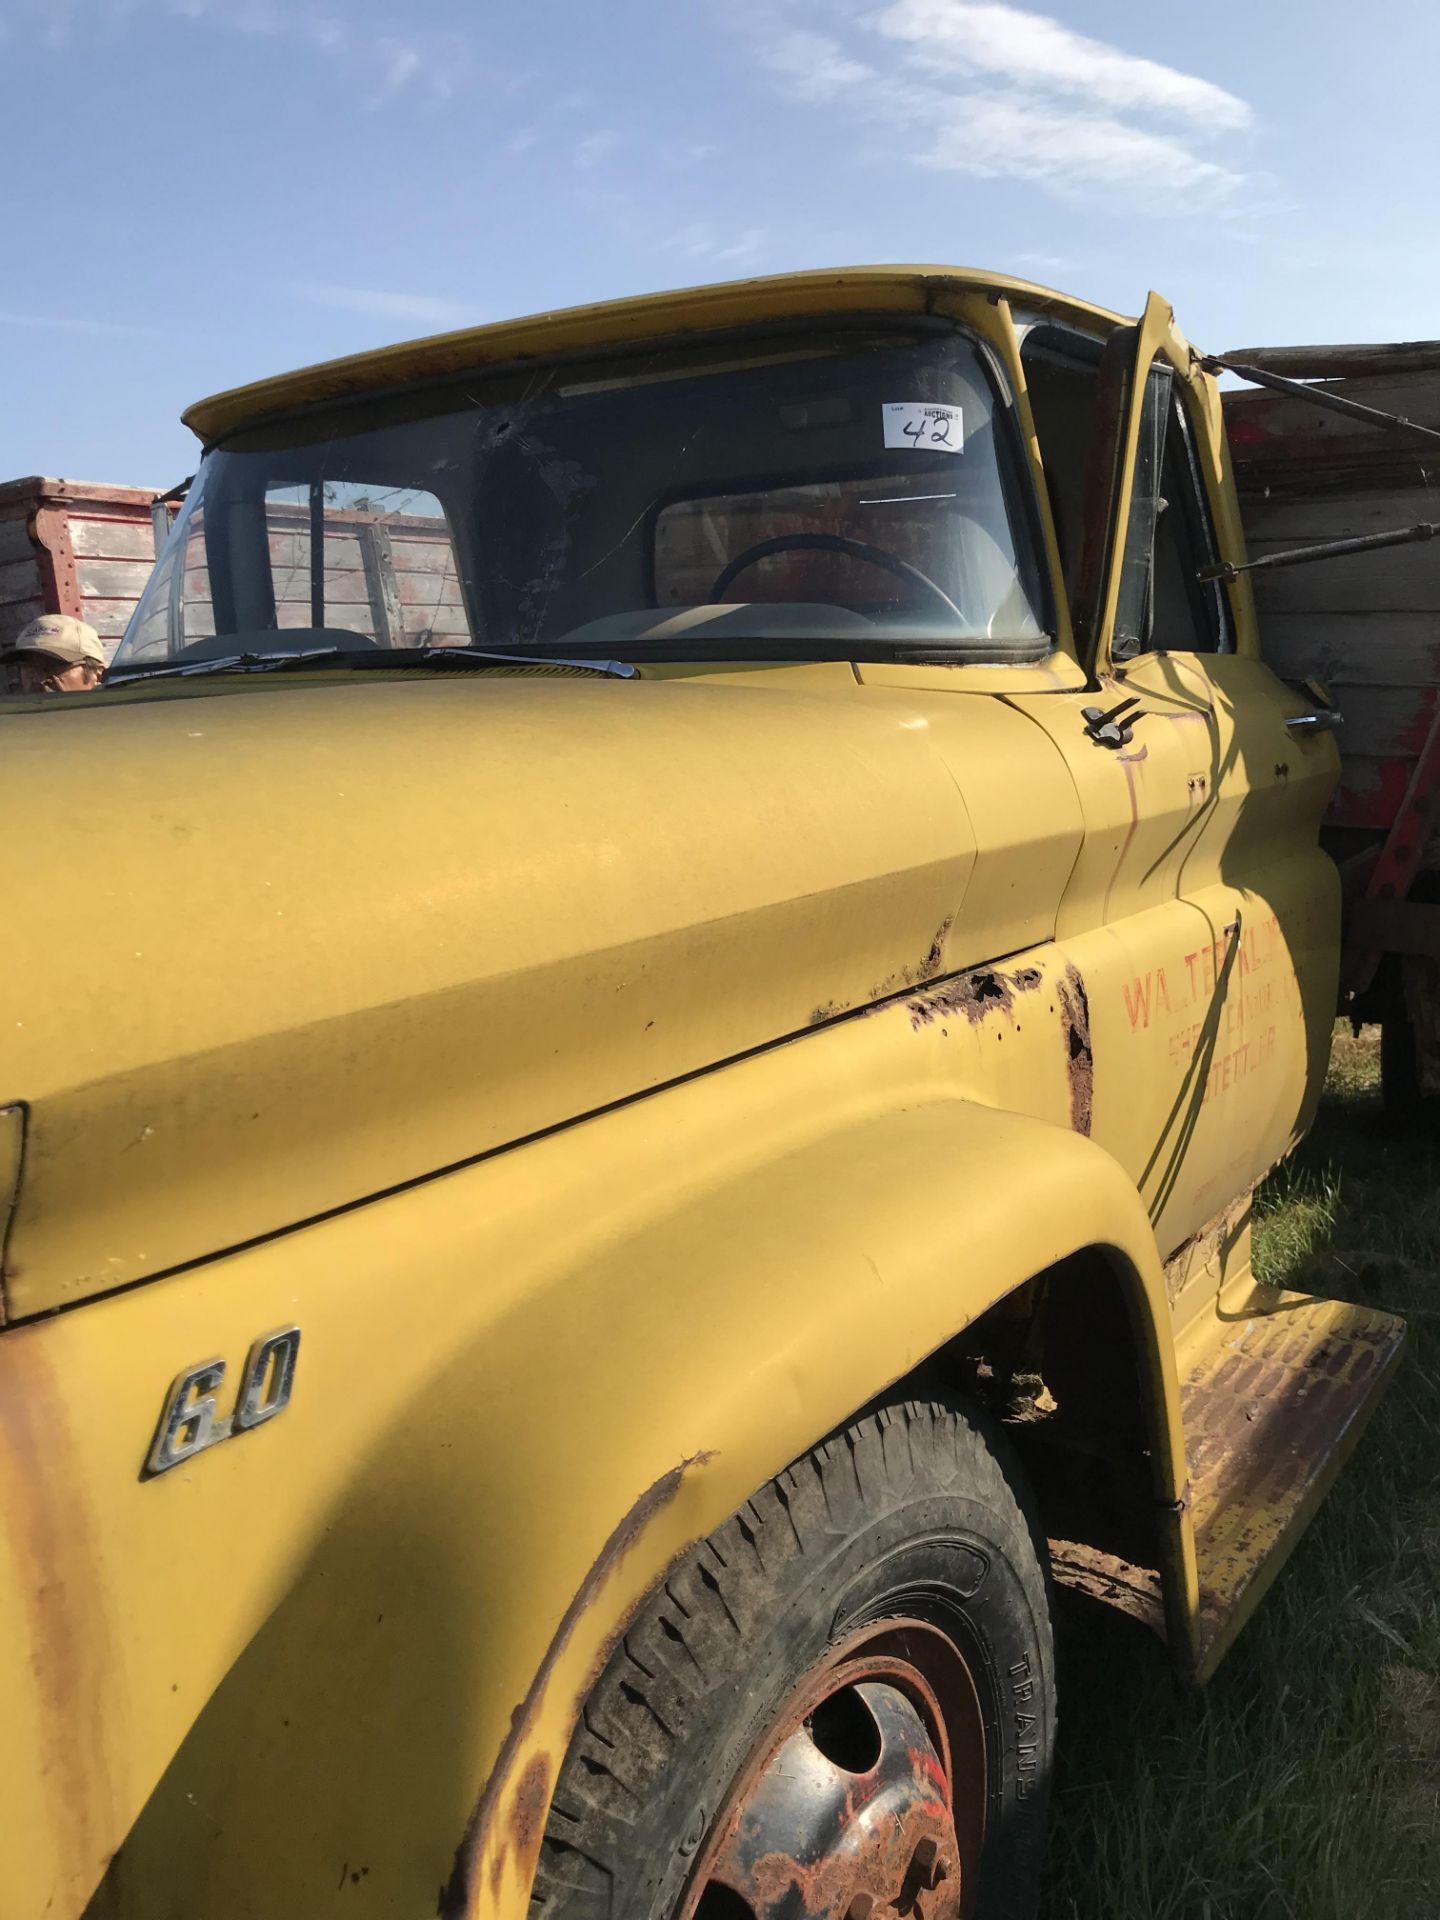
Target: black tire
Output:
{"points": [[913, 1511], [1407, 1105]]}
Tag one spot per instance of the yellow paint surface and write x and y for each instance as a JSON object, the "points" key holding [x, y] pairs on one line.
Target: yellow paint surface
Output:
{"points": [[619, 1083]]}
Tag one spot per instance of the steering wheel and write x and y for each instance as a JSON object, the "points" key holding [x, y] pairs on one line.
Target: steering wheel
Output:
{"points": [[834, 543]]}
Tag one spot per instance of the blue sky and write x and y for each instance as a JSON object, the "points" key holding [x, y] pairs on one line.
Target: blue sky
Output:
{"points": [[199, 192]]}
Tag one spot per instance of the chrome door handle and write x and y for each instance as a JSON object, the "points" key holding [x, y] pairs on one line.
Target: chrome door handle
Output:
{"points": [[1324, 720]]}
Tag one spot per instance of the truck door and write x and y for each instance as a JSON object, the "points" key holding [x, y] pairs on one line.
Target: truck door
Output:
{"points": [[1213, 983]]}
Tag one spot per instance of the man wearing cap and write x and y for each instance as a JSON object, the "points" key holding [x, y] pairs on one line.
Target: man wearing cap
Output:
{"points": [[55, 654]]}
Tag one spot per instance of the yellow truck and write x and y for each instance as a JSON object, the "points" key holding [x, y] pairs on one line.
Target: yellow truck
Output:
{"points": [[606, 1183]]}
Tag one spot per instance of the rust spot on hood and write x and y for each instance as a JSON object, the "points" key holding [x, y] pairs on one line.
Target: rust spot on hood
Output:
{"points": [[935, 953], [524, 1824], [1079, 1052], [975, 995], [60, 1585], [926, 968]]}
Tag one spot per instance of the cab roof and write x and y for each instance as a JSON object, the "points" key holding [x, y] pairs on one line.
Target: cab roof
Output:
{"points": [[735, 303]]}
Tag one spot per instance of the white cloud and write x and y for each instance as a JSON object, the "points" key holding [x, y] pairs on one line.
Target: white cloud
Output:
{"points": [[742, 248], [699, 241], [436, 68], [595, 147], [998, 91], [1031, 50], [421, 308], [1015, 136], [79, 323], [814, 66], [401, 65], [1030, 262], [426, 63]]}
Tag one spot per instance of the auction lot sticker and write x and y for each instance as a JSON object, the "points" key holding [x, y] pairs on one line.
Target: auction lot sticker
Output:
{"points": [[923, 425]]}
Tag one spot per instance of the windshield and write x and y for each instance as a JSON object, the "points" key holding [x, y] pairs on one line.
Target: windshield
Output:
{"points": [[865, 485]]}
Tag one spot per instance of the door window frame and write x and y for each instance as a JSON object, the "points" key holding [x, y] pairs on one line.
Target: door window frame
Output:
{"points": [[1126, 361]]}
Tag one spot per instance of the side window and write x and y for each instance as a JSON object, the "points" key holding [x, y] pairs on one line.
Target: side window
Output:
{"points": [[176, 607], [1163, 606]]}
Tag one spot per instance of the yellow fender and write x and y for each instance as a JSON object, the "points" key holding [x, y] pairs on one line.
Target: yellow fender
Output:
{"points": [[357, 1640], [826, 1277]]}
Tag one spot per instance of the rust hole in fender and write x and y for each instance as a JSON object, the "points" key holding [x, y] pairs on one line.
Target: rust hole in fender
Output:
{"points": [[1079, 1052]]}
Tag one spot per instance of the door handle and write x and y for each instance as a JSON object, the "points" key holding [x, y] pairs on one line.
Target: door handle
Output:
{"points": [[1325, 720]]}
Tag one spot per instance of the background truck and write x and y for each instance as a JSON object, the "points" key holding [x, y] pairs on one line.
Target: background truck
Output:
{"points": [[1367, 626], [592, 1216], [71, 546]]}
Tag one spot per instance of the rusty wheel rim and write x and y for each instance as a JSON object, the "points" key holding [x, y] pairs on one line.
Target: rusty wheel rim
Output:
{"points": [[865, 1799]]}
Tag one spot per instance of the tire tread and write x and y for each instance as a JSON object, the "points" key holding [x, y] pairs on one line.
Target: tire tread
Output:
{"points": [[680, 1647]]}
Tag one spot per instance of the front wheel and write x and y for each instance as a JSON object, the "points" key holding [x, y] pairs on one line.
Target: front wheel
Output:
{"points": [[839, 1705]]}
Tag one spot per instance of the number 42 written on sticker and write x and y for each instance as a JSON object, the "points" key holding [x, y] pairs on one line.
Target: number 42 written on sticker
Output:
{"points": [[923, 425]]}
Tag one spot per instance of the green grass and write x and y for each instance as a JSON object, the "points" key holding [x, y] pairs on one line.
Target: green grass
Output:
{"points": [[1305, 1781]]}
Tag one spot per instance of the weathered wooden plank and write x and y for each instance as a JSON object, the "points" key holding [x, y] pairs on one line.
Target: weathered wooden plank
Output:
{"points": [[423, 552], [1393, 580], [109, 617], [1313, 465], [1291, 445], [1386, 723], [17, 616], [37, 491], [1322, 362], [1371, 790], [342, 550], [1360, 649], [1413, 396], [113, 539], [15, 541], [112, 579], [341, 589], [1290, 520], [20, 580], [694, 539], [414, 555], [429, 590], [352, 618]]}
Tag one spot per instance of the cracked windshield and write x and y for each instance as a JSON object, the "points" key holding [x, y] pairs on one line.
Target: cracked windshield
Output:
{"points": [[861, 486]]}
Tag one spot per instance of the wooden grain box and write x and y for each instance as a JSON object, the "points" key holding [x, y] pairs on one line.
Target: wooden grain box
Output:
{"points": [[72, 546]]}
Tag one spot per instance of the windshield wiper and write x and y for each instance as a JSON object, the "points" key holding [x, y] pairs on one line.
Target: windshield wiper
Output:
{"points": [[378, 659]]}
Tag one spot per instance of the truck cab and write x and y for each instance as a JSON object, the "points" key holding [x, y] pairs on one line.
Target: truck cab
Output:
{"points": [[682, 931]]}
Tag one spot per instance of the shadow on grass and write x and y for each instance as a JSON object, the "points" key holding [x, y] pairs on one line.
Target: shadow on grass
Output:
{"points": [[1304, 1783]]}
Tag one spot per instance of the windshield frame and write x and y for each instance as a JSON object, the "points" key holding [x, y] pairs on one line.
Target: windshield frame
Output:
{"points": [[1013, 470]]}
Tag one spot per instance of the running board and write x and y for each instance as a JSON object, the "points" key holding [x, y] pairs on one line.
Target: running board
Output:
{"points": [[1271, 1411]]}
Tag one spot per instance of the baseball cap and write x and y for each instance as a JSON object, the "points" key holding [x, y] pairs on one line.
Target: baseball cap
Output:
{"points": [[63, 637]]}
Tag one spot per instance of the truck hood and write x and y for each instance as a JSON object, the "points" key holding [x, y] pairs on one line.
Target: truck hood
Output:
{"points": [[271, 953]]}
